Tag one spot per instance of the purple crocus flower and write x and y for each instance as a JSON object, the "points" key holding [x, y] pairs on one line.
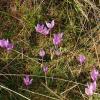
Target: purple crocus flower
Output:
{"points": [[6, 44], [2, 43], [45, 69], [27, 81], [45, 31], [94, 74], [40, 28], [50, 25], [81, 59], [91, 88], [42, 53], [57, 39]]}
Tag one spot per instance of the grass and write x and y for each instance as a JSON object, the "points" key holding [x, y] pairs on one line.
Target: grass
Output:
{"points": [[66, 79]]}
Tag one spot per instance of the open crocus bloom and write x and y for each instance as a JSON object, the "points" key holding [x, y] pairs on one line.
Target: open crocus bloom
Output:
{"points": [[27, 81], [57, 39], [40, 28], [50, 25], [91, 88], [94, 74], [6, 44]]}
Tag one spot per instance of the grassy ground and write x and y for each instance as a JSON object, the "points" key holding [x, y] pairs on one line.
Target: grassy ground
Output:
{"points": [[79, 20]]}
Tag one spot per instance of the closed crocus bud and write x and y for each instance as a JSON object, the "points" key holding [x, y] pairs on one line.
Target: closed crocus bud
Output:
{"points": [[27, 81], [42, 53], [94, 74], [58, 53], [91, 88], [45, 69], [50, 25], [57, 39], [81, 59]]}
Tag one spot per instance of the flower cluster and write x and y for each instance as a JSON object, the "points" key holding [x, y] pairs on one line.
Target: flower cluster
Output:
{"points": [[45, 30], [42, 29], [57, 38], [42, 54], [91, 88], [6, 44]]}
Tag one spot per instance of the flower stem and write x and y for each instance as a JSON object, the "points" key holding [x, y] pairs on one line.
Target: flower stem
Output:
{"points": [[90, 98], [45, 79]]}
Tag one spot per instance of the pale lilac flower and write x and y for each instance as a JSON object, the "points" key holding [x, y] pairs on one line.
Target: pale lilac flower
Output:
{"points": [[94, 74], [57, 39], [45, 31], [91, 88], [50, 25], [40, 28], [6, 44], [42, 53], [81, 59], [58, 52], [2, 43], [27, 81], [45, 69]]}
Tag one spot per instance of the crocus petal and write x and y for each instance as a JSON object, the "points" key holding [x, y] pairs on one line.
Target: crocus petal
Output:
{"points": [[81, 59], [2, 44], [39, 28], [6, 43], [58, 52], [9, 47], [42, 53], [88, 92], [45, 31], [27, 81], [56, 39], [94, 74], [61, 35], [91, 88], [45, 69], [30, 82], [94, 85], [50, 25]]}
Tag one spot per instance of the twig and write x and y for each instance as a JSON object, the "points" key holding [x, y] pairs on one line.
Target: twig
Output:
{"points": [[14, 92]]}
